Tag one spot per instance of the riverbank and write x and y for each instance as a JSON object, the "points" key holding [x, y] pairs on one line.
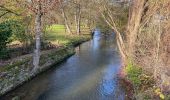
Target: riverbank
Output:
{"points": [[141, 85], [82, 77], [19, 70]]}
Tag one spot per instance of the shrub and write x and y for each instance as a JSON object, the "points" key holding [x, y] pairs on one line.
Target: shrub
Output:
{"points": [[5, 34], [19, 32], [12, 30]]}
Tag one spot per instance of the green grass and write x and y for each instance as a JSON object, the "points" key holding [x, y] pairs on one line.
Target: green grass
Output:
{"points": [[133, 74], [56, 34], [141, 80], [56, 28]]}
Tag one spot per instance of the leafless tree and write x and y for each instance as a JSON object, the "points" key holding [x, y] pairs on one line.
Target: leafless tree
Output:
{"points": [[110, 17], [40, 8], [65, 17]]}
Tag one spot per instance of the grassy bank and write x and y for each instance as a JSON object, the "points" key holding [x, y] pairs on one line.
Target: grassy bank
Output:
{"points": [[18, 70], [143, 84], [53, 36], [56, 34]]}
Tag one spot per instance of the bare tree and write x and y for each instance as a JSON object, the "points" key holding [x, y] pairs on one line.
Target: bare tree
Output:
{"points": [[110, 18], [78, 16], [65, 17], [39, 7], [6, 8], [148, 37], [135, 16]]}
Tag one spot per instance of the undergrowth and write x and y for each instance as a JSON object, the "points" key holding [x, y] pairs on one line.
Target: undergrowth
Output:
{"points": [[144, 84]]}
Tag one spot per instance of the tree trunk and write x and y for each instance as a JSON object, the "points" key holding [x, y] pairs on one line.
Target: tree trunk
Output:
{"points": [[36, 56], [65, 19], [78, 19], [119, 39], [121, 46], [157, 51], [135, 16]]}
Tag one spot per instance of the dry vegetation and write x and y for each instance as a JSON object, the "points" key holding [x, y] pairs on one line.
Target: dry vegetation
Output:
{"points": [[150, 42]]}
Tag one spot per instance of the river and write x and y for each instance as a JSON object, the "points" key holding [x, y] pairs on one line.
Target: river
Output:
{"points": [[90, 74]]}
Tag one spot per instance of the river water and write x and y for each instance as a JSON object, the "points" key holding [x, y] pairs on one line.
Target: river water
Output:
{"points": [[90, 74]]}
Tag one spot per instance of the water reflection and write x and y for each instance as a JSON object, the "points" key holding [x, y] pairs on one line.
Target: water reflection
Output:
{"points": [[91, 74], [96, 40]]}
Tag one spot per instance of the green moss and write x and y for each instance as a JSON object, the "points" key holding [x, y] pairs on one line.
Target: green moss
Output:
{"points": [[56, 55], [14, 64]]}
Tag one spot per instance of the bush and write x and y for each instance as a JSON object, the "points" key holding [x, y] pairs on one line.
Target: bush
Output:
{"points": [[5, 34], [12, 30], [18, 30]]}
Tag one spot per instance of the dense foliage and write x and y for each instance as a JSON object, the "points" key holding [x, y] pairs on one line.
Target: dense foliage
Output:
{"points": [[11, 31], [18, 31], [5, 34]]}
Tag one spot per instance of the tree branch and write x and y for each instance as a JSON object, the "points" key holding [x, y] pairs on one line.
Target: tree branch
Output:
{"points": [[7, 11]]}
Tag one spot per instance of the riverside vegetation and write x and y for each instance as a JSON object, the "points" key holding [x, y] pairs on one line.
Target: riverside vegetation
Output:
{"points": [[16, 71], [141, 27]]}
